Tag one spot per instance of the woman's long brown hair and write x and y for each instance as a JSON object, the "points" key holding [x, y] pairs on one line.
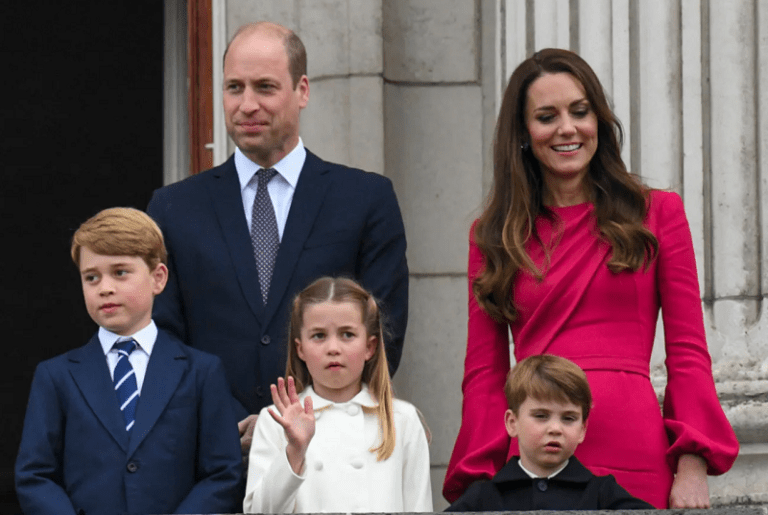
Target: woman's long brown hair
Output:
{"points": [[375, 371], [516, 198]]}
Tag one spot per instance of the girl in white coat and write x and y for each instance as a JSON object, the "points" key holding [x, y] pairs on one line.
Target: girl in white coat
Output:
{"points": [[343, 444]]}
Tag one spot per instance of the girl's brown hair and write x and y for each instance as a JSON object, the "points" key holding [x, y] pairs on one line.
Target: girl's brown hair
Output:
{"points": [[375, 371], [516, 199]]}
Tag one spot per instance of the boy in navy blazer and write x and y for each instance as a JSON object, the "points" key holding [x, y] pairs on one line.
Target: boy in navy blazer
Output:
{"points": [[134, 421], [549, 402]]}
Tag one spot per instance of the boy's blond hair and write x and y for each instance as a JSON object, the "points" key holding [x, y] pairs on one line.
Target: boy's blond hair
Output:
{"points": [[545, 377], [121, 231], [375, 371]]}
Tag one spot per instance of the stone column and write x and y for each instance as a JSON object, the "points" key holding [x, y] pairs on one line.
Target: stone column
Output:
{"points": [[435, 152], [687, 81], [343, 122]]}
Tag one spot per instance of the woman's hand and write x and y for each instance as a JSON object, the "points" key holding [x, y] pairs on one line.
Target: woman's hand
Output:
{"points": [[298, 421], [690, 489]]}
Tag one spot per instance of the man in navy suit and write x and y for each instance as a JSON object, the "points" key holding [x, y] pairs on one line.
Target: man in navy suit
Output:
{"points": [[331, 220], [137, 429]]}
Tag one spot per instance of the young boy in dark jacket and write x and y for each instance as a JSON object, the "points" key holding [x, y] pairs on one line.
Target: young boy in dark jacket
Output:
{"points": [[549, 402]]}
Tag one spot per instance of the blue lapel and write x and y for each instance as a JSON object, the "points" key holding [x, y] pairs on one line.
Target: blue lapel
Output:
{"points": [[166, 367], [307, 199], [228, 204], [88, 367]]}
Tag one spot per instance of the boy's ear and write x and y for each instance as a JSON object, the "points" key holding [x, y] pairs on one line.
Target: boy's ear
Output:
{"points": [[583, 431], [510, 422], [371, 344], [159, 278]]}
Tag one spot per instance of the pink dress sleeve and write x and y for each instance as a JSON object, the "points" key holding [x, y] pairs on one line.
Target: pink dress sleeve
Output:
{"points": [[693, 417], [482, 444]]}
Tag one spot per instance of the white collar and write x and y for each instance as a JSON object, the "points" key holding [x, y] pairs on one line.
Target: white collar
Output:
{"points": [[289, 167], [363, 398], [145, 338], [536, 476]]}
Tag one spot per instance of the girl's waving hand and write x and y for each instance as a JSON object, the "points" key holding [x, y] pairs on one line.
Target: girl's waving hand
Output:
{"points": [[297, 421]]}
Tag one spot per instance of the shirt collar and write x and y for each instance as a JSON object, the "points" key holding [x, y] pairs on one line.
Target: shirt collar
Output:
{"points": [[289, 167], [535, 476], [145, 338], [363, 399], [574, 472]]}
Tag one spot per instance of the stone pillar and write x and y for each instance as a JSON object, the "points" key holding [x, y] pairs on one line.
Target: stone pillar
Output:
{"points": [[410, 88], [434, 153], [687, 81], [343, 122]]}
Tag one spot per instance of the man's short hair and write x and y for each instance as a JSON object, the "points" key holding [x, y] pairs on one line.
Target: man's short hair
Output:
{"points": [[548, 378], [294, 48], [121, 231]]}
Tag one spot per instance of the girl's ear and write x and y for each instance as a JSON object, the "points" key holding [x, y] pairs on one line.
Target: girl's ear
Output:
{"points": [[370, 347], [299, 349]]}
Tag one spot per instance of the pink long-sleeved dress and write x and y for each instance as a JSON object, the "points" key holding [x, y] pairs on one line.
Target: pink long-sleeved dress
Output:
{"points": [[605, 323]]}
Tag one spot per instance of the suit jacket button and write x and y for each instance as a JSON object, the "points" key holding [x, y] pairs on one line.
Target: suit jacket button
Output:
{"points": [[265, 339], [541, 484], [132, 467]]}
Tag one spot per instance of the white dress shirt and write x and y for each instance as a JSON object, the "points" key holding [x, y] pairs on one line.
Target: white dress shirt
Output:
{"points": [[341, 474], [280, 188], [138, 358]]}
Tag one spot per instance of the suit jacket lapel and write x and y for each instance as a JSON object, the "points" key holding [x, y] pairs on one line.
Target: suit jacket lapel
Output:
{"points": [[164, 372], [228, 205], [91, 375], [307, 199]]}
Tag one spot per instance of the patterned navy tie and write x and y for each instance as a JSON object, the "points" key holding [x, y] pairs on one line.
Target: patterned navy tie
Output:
{"points": [[264, 235], [125, 382]]}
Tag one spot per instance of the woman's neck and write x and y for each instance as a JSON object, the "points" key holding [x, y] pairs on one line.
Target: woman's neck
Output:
{"points": [[566, 192]]}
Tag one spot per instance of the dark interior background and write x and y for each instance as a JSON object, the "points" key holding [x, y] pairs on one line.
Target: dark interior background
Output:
{"points": [[81, 131]]}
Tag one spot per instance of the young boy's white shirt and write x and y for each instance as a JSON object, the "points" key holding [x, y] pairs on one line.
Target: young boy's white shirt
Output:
{"points": [[340, 473]]}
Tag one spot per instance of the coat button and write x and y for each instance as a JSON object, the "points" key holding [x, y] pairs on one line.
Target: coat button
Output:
{"points": [[318, 465], [132, 467], [265, 339], [542, 485], [353, 410], [357, 463]]}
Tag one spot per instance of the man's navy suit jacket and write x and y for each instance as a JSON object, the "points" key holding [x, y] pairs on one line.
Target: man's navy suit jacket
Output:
{"points": [[342, 222], [181, 456]]}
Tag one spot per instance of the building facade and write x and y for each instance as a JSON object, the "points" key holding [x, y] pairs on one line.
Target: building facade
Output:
{"points": [[412, 89]]}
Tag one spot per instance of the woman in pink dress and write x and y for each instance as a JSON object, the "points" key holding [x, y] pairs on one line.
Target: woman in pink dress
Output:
{"points": [[576, 257]]}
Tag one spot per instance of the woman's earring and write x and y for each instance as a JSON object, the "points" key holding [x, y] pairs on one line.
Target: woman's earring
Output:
{"points": [[525, 146]]}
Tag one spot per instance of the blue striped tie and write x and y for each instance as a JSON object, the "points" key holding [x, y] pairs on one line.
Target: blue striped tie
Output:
{"points": [[125, 382]]}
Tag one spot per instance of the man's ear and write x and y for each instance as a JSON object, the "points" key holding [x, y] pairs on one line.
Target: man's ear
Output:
{"points": [[302, 90], [510, 422]]}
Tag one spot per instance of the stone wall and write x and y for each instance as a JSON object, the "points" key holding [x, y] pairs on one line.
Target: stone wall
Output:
{"points": [[410, 89]]}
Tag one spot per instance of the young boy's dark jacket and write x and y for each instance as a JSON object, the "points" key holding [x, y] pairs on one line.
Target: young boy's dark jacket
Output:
{"points": [[181, 456], [574, 488]]}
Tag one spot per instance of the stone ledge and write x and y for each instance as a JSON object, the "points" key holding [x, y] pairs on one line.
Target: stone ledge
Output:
{"points": [[730, 510]]}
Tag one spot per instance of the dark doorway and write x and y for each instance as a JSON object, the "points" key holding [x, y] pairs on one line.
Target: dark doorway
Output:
{"points": [[82, 130]]}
